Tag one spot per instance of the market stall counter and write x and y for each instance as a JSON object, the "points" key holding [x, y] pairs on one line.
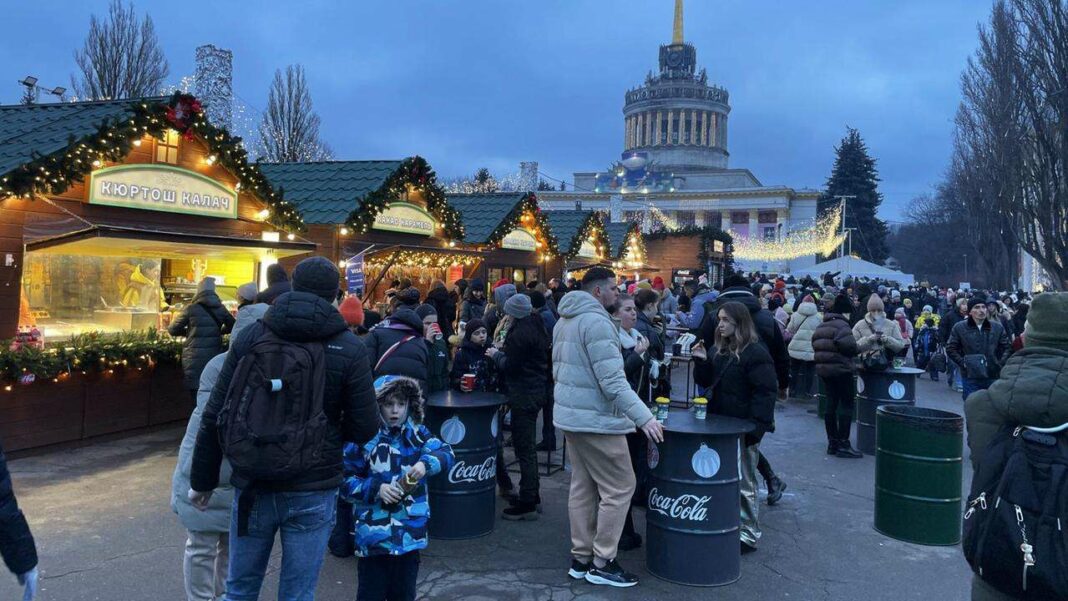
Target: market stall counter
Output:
{"points": [[694, 516], [463, 501]]}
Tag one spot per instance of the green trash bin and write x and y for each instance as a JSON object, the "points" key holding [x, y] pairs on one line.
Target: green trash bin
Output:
{"points": [[918, 474]]}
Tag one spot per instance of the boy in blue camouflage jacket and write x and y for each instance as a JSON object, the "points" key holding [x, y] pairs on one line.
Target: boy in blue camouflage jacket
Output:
{"points": [[391, 523]]}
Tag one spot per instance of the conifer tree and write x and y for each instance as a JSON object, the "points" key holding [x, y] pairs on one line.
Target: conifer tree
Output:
{"points": [[854, 174]]}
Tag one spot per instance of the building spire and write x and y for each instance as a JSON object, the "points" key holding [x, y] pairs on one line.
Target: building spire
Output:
{"points": [[676, 38]]}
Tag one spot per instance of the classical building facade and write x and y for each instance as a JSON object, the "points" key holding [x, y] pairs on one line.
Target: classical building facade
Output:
{"points": [[675, 170]]}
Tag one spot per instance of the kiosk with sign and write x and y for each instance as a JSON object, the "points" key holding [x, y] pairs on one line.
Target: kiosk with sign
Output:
{"points": [[582, 239], [112, 212], [393, 213], [511, 230]]}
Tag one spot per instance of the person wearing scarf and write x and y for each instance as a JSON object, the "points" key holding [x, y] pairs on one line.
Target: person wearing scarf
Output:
{"points": [[636, 361]]}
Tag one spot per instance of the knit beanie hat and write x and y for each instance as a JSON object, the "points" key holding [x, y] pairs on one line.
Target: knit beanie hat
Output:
{"points": [[875, 303], [518, 306], [927, 309], [247, 292], [644, 285], [1047, 321], [409, 296], [424, 309], [472, 326], [537, 299], [206, 285], [658, 283], [276, 273], [975, 300], [352, 310], [317, 275]]}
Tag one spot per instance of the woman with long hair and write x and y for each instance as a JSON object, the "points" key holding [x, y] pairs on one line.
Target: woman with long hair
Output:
{"points": [[741, 382], [636, 359]]}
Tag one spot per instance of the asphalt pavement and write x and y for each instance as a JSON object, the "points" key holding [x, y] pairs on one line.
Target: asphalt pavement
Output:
{"points": [[105, 532]]}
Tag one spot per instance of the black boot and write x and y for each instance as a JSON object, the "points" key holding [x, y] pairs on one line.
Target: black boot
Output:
{"points": [[775, 489], [832, 446], [831, 426], [846, 450]]}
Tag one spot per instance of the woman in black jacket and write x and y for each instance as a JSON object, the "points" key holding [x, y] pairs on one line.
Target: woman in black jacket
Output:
{"points": [[523, 363], [637, 356], [834, 348], [398, 347], [203, 322], [445, 307], [741, 381], [16, 542], [646, 302]]}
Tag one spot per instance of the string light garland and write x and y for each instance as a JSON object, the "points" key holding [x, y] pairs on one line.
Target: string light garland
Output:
{"points": [[631, 252], [527, 214], [592, 230], [115, 138], [821, 239], [413, 173], [93, 352], [421, 258]]}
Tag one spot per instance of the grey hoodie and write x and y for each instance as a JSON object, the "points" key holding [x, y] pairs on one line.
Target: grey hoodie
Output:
{"points": [[591, 390], [217, 516]]}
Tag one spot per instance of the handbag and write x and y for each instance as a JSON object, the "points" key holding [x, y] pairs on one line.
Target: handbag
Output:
{"points": [[938, 361], [875, 360]]}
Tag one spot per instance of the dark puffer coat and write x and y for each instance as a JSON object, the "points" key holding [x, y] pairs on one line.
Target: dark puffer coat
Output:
{"points": [[445, 308], [409, 358], [966, 338], [834, 347], [524, 360], [348, 395], [767, 327], [16, 542], [203, 323], [745, 387]]}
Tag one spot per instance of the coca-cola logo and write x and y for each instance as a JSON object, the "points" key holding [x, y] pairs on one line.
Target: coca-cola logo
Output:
{"points": [[461, 472], [682, 507]]}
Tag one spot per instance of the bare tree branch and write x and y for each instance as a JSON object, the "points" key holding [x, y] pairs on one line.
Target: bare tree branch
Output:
{"points": [[120, 58], [289, 131]]}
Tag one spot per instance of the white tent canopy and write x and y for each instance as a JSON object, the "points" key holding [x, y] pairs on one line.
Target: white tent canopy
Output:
{"points": [[852, 266]]}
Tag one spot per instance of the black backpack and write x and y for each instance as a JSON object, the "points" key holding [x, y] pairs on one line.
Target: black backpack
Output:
{"points": [[272, 425], [1014, 536]]}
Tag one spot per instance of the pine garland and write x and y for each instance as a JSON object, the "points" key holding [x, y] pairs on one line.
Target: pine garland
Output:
{"points": [[633, 229], [527, 206], [92, 352], [414, 172], [114, 139], [594, 221]]}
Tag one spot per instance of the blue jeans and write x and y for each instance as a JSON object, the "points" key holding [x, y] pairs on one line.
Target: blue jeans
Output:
{"points": [[304, 519], [971, 386]]}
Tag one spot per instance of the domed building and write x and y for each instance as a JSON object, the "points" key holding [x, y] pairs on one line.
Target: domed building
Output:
{"points": [[674, 171]]}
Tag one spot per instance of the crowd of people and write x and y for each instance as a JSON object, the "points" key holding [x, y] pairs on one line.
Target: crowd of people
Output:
{"points": [[310, 424]]}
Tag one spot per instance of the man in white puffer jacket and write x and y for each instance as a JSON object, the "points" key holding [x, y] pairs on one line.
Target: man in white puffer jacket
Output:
{"points": [[596, 409]]}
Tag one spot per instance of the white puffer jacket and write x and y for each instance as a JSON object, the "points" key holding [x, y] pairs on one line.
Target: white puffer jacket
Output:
{"points": [[802, 324], [591, 389]]}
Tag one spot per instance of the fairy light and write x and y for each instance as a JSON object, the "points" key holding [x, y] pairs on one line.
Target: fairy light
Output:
{"points": [[821, 239]]}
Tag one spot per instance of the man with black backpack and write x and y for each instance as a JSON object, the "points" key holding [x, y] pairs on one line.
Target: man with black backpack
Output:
{"points": [[1018, 507], [295, 387]]}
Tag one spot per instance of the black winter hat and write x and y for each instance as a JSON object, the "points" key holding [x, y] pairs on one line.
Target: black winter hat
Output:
{"points": [[537, 299], [975, 300], [473, 325], [409, 296], [319, 276], [842, 305], [276, 273], [423, 310]]}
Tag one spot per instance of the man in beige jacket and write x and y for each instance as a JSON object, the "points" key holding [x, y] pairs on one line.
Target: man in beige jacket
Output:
{"points": [[596, 409]]}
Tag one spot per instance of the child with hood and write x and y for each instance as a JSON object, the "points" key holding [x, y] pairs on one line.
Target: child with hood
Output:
{"points": [[385, 480], [470, 358]]}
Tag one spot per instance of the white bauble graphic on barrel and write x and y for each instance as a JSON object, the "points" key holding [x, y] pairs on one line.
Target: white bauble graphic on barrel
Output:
{"points": [[652, 455], [493, 426], [897, 390], [705, 462], [860, 385], [453, 430]]}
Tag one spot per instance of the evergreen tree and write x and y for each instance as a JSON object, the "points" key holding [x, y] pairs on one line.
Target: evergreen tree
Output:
{"points": [[854, 174]]}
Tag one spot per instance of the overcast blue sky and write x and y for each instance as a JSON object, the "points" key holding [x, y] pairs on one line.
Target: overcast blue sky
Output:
{"points": [[470, 83]]}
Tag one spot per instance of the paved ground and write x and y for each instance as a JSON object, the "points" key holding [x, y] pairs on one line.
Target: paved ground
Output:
{"points": [[105, 532]]}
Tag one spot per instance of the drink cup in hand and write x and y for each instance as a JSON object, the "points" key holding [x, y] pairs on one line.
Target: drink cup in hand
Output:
{"points": [[467, 382]]}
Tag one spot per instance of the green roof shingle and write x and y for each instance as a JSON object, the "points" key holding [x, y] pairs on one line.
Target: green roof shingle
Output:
{"points": [[617, 235], [327, 191], [565, 226], [482, 213], [27, 131]]}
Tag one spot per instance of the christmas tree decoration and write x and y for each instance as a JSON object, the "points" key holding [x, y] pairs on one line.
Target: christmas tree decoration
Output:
{"points": [[414, 175], [114, 139]]}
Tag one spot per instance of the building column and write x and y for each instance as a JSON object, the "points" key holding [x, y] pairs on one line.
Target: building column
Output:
{"points": [[754, 224], [705, 140], [656, 130], [780, 224], [725, 220], [638, 129], [693, 126], [713, 134]]}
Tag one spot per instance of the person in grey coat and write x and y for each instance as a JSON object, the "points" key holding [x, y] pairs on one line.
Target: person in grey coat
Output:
{"points": [[208, 540], [203, 323]]}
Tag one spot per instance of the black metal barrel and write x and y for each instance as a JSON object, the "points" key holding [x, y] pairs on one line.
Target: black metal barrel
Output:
{"points": [[895, 386], [693, 515], [463, 500]]}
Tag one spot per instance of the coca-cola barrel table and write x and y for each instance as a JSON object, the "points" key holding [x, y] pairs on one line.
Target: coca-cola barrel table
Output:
{"points": [[693, 516], [894, 386], [463, 500]]}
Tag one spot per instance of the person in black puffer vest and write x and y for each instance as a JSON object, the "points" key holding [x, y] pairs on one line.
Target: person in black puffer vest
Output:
{"points": [[523, 362], [303, 506], [203, 322], [403, 333], [277, 284]]}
